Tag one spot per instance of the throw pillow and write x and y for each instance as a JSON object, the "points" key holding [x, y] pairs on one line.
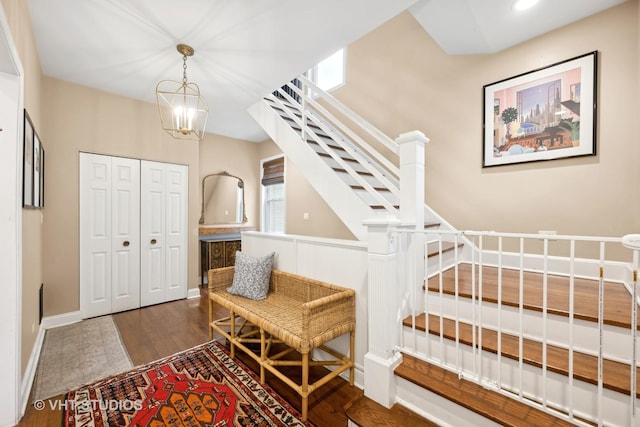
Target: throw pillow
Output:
{"points": [[251, 276]]}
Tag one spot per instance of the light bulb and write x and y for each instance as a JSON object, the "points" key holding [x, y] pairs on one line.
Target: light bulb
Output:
{"points": [[524, 4]]}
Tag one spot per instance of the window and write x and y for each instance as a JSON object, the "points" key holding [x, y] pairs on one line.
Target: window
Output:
{"points": [[273, 201], [329, 73]]}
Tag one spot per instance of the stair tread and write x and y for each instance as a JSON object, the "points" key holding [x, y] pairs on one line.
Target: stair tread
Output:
{"points": [[358, 172], [365, 412], [585, 367], [616, 298], [433, 248], [488, 403], [346, 159], [360, 187]]}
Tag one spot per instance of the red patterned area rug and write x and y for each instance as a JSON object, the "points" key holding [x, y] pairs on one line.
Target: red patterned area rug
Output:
{"points": [[202, 386]]}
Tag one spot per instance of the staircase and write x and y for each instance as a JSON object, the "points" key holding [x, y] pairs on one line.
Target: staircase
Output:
{"points": [[347, 164], [487, 335], [536, 341]]}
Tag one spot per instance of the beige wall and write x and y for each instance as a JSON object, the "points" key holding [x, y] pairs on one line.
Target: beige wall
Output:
{"points": [[400, 80], [239, 158], [80, 119], [301, 198], [17, 14]]}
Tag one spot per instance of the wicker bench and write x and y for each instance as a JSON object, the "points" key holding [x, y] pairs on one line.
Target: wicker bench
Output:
{"points": [[300, 312]]}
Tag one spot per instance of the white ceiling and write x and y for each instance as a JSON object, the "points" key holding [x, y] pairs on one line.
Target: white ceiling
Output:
{"points": [[488, 26], [247, 48]]}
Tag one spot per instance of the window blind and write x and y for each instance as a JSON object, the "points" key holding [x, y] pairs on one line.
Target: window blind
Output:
{"points": [[273, 171]]}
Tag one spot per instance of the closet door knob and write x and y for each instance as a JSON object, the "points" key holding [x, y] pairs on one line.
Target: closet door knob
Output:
{"points": [[125, 243], [153, 241]]}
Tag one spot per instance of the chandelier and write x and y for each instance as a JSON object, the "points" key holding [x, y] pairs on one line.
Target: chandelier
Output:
{"points": [[183, 111]]}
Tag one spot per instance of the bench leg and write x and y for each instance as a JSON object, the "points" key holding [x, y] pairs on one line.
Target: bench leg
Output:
{"points": [[232, 333], [352, 345], [263, 355], [305, 385], [210, 319]]}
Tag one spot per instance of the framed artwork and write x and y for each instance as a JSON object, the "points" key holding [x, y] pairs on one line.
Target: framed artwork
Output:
{"points": [[545, 114], [37, 155], [27, 164], [33, 167]]}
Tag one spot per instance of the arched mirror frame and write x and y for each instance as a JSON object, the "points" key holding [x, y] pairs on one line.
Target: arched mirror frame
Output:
{"points": [[240, 185]]}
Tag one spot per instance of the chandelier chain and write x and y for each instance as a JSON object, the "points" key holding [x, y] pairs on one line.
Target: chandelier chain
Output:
{"points": [[184, 70]]}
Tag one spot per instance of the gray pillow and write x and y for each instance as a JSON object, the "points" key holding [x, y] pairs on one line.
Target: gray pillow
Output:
{"points": [[251, 276]]}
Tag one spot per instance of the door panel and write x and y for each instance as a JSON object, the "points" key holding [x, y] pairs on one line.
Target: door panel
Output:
{"points": [[152, 183], [109, 234], [176, 232], [95, 235], [164, 232], [125, 240]]}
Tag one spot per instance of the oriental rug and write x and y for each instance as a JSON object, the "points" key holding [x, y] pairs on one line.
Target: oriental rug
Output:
{"points": [[202, 386]]}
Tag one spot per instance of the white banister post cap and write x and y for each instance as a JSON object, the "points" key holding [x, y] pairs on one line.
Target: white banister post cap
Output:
{"points": [[631, 241], [414, 135]]}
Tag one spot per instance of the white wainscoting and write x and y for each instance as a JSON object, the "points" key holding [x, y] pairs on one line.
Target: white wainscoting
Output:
{"points": [[340, 262]]}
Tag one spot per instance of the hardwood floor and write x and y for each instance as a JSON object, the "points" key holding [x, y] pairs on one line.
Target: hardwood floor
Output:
{"points": [[158, 331]]}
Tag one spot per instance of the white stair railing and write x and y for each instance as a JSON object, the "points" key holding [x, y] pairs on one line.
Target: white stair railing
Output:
{"points": [[299, 106], [610, 266]]}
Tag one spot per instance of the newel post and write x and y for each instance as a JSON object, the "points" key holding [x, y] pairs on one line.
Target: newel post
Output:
{"points": [[385, 290], [412, 148], [383, 299]]}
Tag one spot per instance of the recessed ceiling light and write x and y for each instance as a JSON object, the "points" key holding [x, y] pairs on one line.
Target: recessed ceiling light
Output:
{"points": [[524, 4]]}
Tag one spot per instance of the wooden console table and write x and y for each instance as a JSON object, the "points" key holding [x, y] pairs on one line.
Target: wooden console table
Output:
{"points": [[218, 246]]}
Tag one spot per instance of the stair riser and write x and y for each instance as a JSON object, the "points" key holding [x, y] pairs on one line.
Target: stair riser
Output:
{"points": [[438, 408], [617, 342], [448, 260], [615, 405]]}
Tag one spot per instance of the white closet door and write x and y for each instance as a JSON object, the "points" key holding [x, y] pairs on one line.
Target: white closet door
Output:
{"points": [[125, 234], [163, 189], [176, 224], [109, 234]]}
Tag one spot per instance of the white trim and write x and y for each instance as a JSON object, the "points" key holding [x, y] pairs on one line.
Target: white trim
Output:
{"points": [[30, 371], [325, 241], [193, 293], [50, 322], [262, 213], [11, 229]]}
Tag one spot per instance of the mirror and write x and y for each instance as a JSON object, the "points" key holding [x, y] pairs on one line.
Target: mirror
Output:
{"points": [[223, 199]]}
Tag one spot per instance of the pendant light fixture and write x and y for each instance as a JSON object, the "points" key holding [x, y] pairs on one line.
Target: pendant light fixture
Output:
{"points": [[183, 111]]}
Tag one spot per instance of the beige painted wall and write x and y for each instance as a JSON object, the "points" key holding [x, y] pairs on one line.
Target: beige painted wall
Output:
{"points": [[81, 119], [400, 80], [17, 14], [302, 198], [219, 153]]}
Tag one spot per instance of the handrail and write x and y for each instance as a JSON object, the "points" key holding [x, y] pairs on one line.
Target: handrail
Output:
{"points": [[395, 171], [348, 169], [309, 114], [362, 123]]}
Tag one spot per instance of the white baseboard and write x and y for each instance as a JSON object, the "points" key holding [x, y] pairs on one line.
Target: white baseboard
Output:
{"points": [[30, 371], [49, 322], [193, 293]]}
